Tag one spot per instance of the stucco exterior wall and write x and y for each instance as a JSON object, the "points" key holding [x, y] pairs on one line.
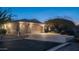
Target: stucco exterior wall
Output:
{"points": [[36, 28], [13, 28]]}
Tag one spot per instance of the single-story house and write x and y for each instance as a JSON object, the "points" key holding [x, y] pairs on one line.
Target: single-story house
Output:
{"points": [[23, 27]]}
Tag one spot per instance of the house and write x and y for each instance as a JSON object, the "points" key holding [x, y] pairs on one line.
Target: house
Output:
{"points": [[23, 27]]}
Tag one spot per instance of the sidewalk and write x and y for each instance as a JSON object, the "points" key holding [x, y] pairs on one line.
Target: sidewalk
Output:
{"points": [[74, 46], [58, 47]]}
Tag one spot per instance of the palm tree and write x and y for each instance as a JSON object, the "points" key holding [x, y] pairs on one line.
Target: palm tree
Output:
{"points": [[5, 16]]}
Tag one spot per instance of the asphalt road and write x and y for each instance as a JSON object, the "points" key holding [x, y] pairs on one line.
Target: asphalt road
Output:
{"points": [[26, 45]]}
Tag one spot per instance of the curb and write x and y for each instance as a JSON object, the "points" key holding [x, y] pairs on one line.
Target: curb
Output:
{"points": [[59, 46]]}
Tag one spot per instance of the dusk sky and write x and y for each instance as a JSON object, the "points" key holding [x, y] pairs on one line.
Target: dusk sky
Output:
{"points": [[45, 13]]}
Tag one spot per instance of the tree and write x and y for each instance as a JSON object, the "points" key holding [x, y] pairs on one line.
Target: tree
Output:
{"points": [[5, 17], [61, 25]]}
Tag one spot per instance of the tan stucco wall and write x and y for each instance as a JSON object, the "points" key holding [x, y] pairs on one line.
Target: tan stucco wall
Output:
{"points": [[23, 28], [37, 28], [11, 28]]}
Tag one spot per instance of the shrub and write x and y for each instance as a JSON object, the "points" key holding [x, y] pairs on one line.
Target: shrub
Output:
{"points": [[2, 31]]}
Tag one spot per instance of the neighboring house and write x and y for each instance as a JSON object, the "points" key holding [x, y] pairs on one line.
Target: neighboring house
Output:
{"points": [[23, 27]]}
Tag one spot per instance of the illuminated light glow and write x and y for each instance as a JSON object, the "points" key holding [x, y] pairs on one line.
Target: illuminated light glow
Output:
{"points": [[9, 25], [31, 24], [4, 26], [30, 27], [21, 24], [43, 25]]}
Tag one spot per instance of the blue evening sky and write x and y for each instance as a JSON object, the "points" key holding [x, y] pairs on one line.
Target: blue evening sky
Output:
{"points": [[45, 13]]}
